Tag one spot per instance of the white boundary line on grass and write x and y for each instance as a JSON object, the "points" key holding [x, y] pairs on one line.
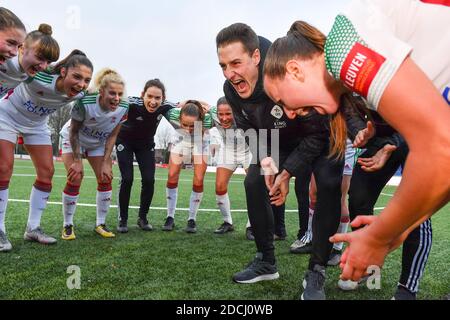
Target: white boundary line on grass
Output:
{"points": [[152, 208]]}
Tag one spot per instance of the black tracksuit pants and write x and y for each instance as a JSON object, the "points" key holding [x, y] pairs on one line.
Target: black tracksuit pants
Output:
{"points": [[365, 188], [328, 210], [145, 156], [302, 193]]}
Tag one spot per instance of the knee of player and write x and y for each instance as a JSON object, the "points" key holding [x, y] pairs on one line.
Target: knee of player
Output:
{"points": [[173, 177], [148, 181], [253, 181], [75, 181], [221, 189], [46, 172], [126, 180], [172, 184], [104, 186], [198, 188], [6, 171], [330, 185], [198, 180]]}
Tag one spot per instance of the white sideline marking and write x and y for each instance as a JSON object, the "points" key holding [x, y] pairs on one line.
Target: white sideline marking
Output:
{"points": [[152, 208]]}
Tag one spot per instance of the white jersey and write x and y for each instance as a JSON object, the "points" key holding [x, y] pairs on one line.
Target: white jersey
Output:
{"points": [[98, 124], [11, 75], [33, 101], [372, 38], [234, 151]]}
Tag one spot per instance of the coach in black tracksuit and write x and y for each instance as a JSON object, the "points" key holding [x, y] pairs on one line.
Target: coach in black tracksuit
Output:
{"points": [[366, 187], [304, 142], [136, 138]]}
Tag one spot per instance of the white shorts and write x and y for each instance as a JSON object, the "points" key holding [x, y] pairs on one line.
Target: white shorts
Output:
{"points": [[231, 157], [33, 136], [350, 158], [186, 148], [98, 151]]}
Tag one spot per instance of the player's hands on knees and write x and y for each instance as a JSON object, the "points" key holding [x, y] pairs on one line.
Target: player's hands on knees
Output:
{"points": [[278, 194], [106, 172], [364, 136], [75, 173], [378, 161], [270, 170]]}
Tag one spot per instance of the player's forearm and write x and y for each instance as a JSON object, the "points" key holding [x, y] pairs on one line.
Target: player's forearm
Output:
{"points": [[109, 146], [424, 189], [75, 144], [110, 142], [413, 106]]}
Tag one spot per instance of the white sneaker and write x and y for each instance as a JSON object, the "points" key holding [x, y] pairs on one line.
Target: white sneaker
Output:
{"points": [[38, 235], [301, 246], [5, 245], [349, 285]]}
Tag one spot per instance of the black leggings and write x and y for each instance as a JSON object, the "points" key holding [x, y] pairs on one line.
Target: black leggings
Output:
{"points": [[145, 156], [302, 193], [327, 215], [328, 210], [365, 188]]}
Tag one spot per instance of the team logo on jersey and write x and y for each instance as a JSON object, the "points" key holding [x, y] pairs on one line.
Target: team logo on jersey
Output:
{"points": [[277, 112], [360, 68], [113, 119], [280, 124], [120, 147], [140, 119]]}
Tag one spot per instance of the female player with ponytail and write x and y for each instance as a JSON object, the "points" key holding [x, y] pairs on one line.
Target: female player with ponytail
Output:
{"points": [[92, 131], [25, 112]]}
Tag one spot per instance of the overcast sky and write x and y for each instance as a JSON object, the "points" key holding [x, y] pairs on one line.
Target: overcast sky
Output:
{"points": [[172, 40]]}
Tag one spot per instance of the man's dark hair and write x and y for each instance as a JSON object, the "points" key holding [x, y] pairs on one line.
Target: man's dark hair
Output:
{"points": [[238, 32]]}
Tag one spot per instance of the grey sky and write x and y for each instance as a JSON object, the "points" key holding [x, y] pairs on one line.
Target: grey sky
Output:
{"points": [[172, 40]]}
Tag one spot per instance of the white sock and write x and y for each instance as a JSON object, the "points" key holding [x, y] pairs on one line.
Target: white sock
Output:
{"points": [[4, 194], [172, 197], [343, 227], [194, 204], [103, 204], [224, 205], [38, 203], [249, 225], [69, 207]]}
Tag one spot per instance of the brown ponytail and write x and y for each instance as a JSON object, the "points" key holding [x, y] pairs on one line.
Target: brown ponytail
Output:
{"points": [[338, 135], [75, 58], [46, 45], [302, 41]]}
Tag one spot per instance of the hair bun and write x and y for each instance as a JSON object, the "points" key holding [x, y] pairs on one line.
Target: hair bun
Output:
{"points": [[46, 29]]}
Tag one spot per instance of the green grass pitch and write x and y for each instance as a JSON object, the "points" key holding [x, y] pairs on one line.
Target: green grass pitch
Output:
{"points": [[178, 266]]}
